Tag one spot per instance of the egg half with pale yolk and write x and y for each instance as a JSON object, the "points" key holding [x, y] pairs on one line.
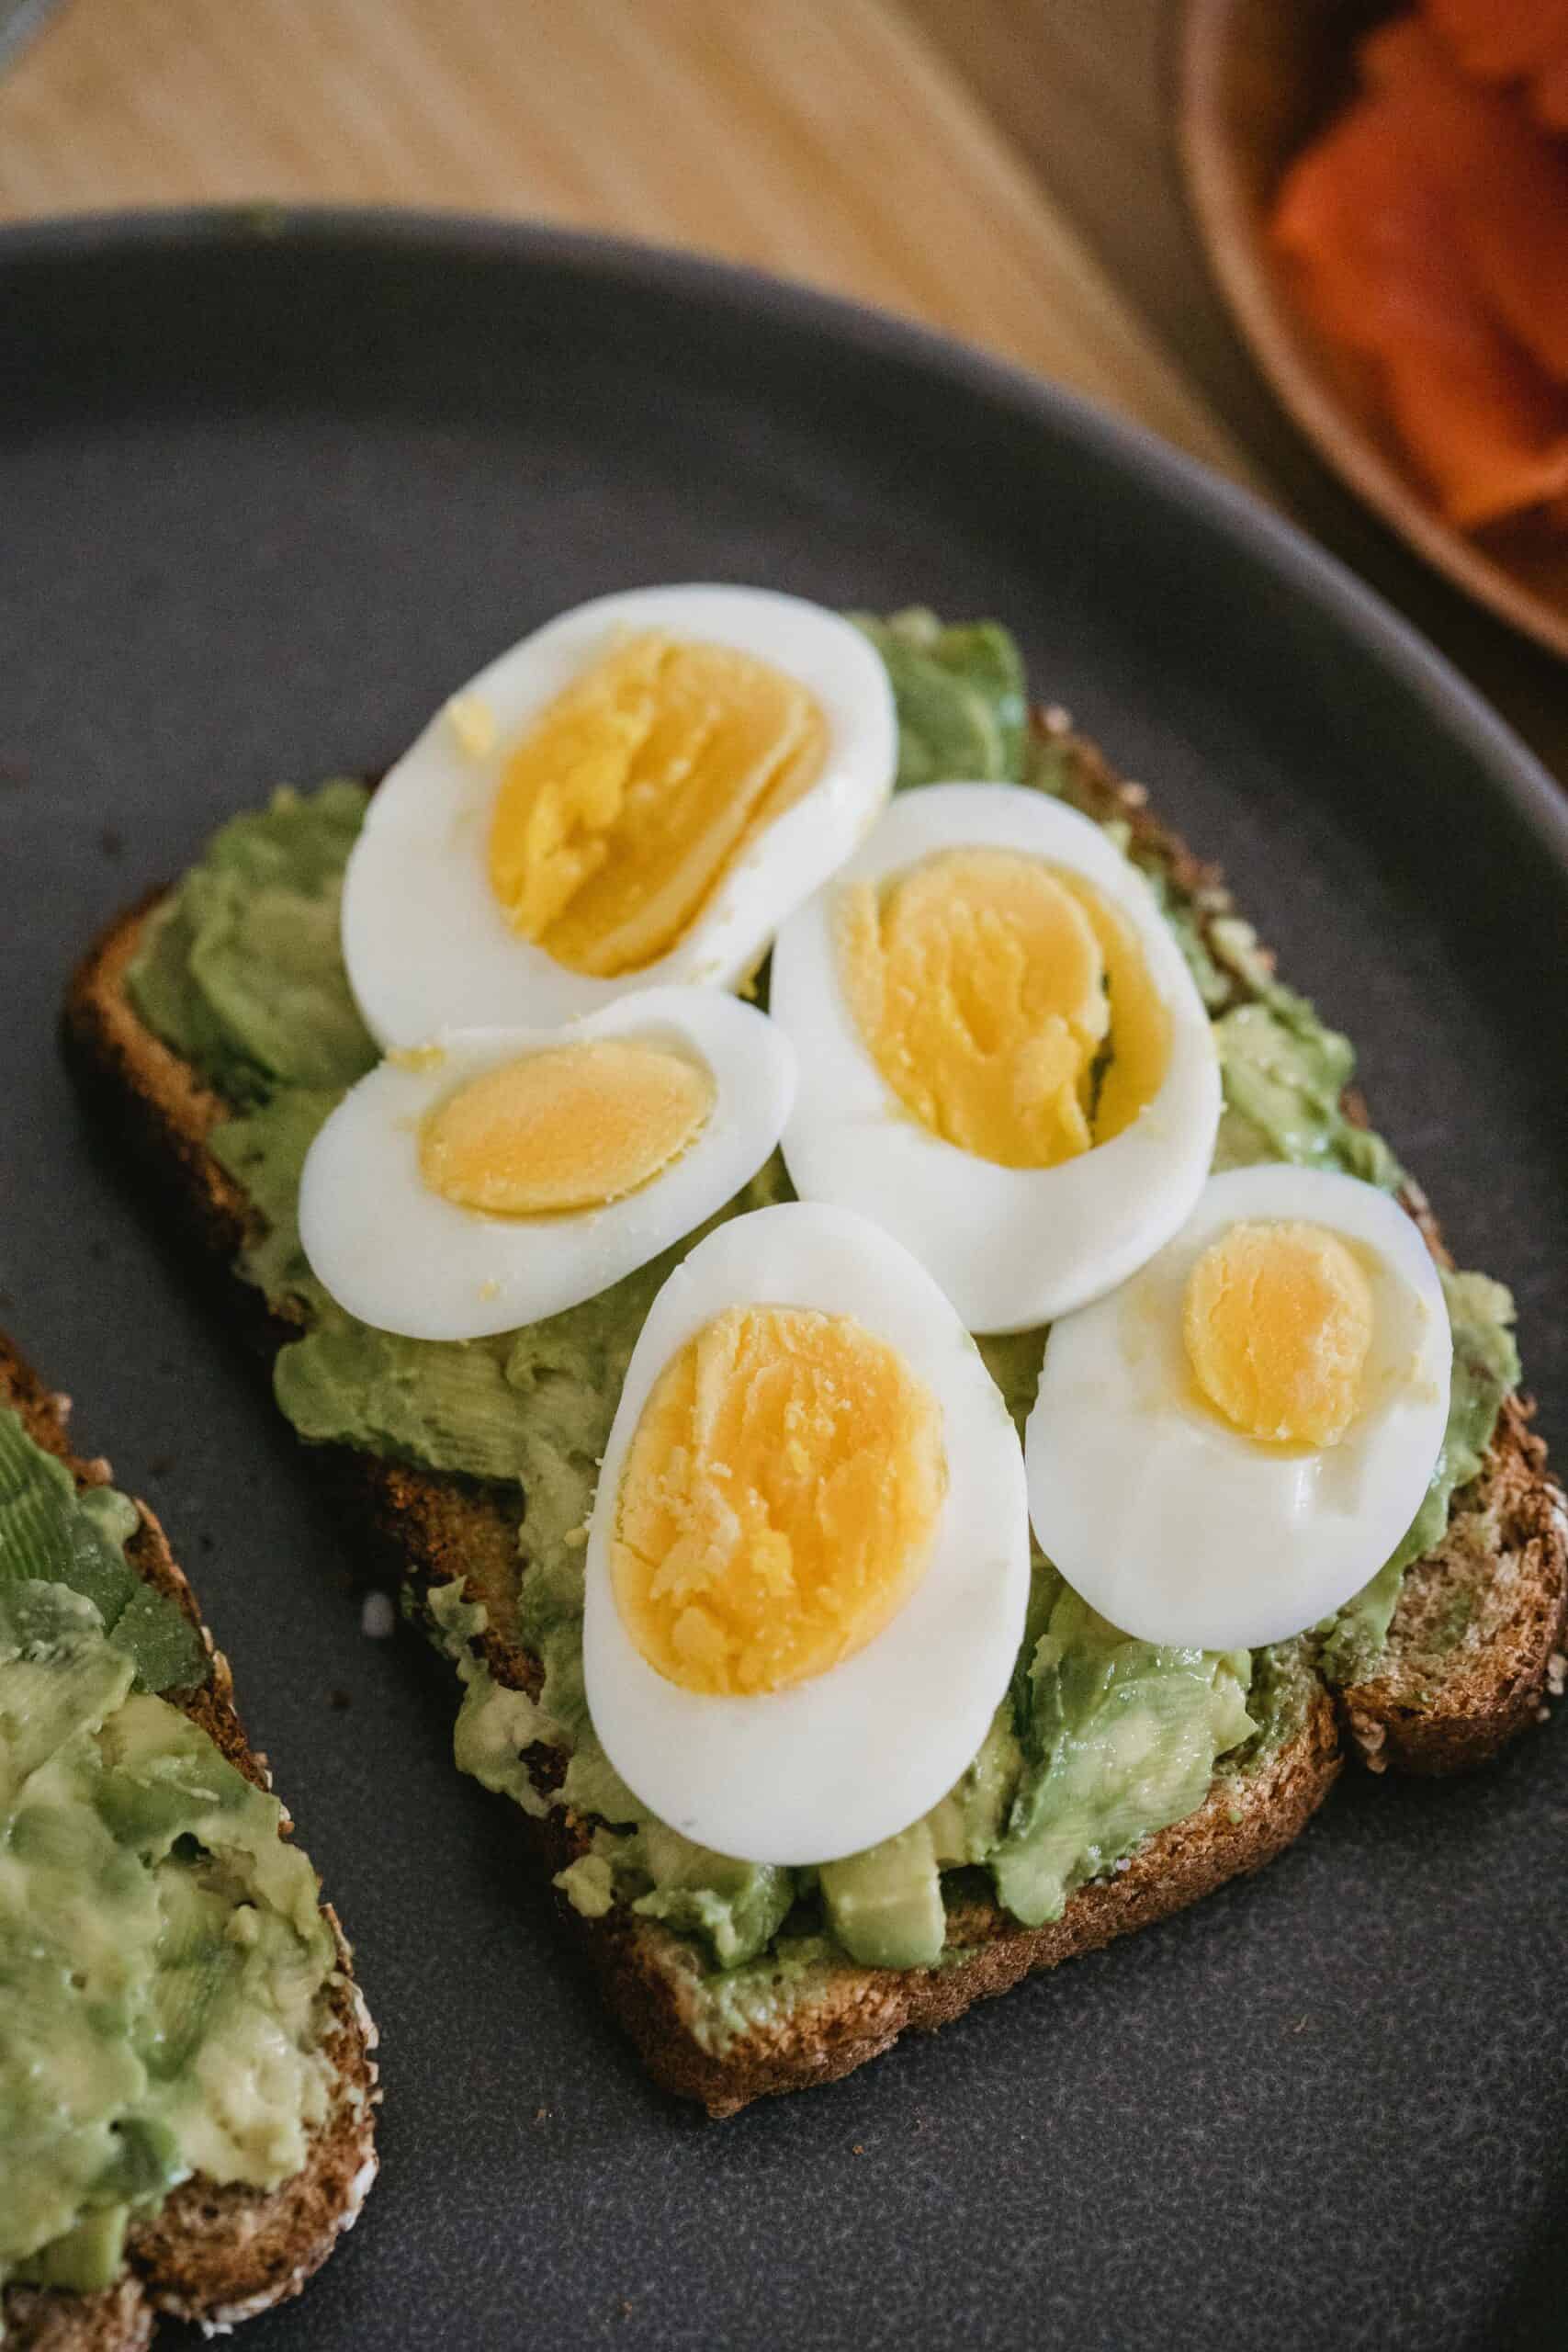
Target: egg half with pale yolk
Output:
{"points": [[808, 1563], [636, 795], [498, 1176], [1004, 1058], [1225, 1450]]}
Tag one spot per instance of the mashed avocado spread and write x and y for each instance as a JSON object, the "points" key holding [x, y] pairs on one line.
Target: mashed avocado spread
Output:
{"points": [[1101, 1740], [160, 1949]]}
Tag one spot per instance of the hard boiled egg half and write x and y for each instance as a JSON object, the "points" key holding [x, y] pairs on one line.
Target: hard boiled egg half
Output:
{"points": [[1004, 1058], [499, 1176], [634, 796], [809, 1559], [1230, 1446]]}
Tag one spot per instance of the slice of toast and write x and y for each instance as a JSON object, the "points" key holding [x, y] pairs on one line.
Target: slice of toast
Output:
{"points": [[1506, 1543], [213, 2252]]}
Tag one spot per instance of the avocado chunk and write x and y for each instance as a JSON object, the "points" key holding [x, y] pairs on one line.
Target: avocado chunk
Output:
{"points": [[241, 971], [51, 1534], [1121, 1738], [961, 697], [884, 1906]]}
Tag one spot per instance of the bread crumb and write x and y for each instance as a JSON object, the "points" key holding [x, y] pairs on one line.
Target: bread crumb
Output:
{"points": [[575, 1538], [377, 1617], [1556, 1674], [1543, 1715], [1058, 721], [857, 2150], [541, 2115]]}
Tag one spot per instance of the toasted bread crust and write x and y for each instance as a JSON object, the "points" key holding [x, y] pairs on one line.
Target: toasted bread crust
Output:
{"points": [[213, 2252], [46, 2319], [1432, 1715], [860, 2012], [429, 1529], [1447, 1708]]}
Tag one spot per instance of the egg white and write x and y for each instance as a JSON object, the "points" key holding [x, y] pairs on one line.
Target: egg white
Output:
{"points": [[400, 1257], [820, 1771], [1182, 1529], [1012, 1246], [424, 940]]}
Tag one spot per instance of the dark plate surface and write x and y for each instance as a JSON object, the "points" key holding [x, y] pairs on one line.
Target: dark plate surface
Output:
{"points": [[267, 491]]}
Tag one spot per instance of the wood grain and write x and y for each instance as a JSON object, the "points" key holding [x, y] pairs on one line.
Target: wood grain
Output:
{"points": [[825, 139], [1002, 168]]}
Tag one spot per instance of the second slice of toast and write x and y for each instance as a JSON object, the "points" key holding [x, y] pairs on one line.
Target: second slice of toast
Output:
{"points": [[213, 2252]]}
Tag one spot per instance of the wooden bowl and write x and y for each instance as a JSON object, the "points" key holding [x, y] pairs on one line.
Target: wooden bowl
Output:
{"points": [[1257, 79]]}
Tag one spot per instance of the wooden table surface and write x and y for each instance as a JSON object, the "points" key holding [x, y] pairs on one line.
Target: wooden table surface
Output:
{"points": [[1002, 168]]}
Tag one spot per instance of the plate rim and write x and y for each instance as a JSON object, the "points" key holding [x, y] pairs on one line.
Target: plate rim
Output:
{"points": [[1309, 571], [1505, 771]]}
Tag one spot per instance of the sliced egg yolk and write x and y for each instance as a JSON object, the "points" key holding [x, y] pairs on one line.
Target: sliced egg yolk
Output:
{"points": [[625, 806], [1278, 1321], [570, 1127], [1006, 1004], [779, 1502]]}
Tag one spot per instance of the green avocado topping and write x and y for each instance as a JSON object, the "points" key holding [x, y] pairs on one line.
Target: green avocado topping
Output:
{"points": [[962, 698], [160, 1949], [1121, 1739], [1102, 1739], [51, 1533], [242, 968], [1485, 1367]]}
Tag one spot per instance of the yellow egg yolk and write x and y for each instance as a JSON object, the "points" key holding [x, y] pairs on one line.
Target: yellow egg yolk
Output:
{"points": [[627, 804], [779, 1501], [571, 1127], [1278, 1321], [990, 987]]}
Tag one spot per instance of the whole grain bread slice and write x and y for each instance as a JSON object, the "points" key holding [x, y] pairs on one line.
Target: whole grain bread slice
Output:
{"points": [[1507, 1537], [213, 2252]]}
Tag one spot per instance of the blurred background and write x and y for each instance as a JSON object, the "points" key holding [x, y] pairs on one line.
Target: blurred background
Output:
{"points": [[1006, 170]]}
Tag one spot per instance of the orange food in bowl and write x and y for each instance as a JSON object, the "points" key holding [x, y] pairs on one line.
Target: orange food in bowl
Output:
{"points": [[1426, 232], [1506, 40]]}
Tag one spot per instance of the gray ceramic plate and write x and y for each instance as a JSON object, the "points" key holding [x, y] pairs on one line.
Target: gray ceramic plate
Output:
{"points": [[268, 488]]}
